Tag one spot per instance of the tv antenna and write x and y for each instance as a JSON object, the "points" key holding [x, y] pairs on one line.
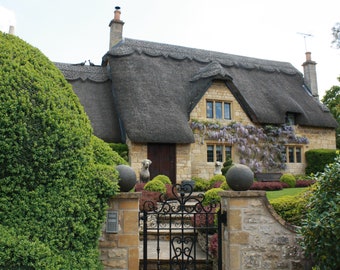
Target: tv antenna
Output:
{"points": [[305, 36]]}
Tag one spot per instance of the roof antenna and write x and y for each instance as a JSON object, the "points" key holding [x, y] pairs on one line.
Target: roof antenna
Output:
{"points": [[305, 37]]}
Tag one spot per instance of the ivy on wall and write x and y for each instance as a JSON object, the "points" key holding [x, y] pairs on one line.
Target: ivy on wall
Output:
{"points": [[260, 148]]}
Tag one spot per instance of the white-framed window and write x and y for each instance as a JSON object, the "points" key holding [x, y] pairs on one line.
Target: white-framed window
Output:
{"points": [[218, 152], [293, 154], [218, 109]]}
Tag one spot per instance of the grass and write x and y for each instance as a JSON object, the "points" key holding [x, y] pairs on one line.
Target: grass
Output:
{"points": [[284, 192]]}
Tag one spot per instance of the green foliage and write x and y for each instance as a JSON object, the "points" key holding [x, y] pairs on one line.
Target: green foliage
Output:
{"points": [[212, 197], [321, 228], [155, 185], [332, 101], [291, 208], [289, 179], [336, 35], [216, 178], [163, 178], [201, 184], [226, 165], [225, 186], [122, 149], [317, 159], [55, 176]]}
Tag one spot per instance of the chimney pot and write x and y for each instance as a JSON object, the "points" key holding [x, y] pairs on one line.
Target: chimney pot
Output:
{"points": [[117, 14], [11, 30]]}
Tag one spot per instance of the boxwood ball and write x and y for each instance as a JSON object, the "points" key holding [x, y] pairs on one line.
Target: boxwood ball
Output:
{"points": [[127, 178], [239, 177]]}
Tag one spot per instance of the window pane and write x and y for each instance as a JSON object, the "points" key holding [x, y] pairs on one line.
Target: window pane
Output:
{"points": [[210, 113], [227, 114], [227, 152], [291, 155], [219, 152], [290, 119], [298, 154], [210, 153], [218, 110]]}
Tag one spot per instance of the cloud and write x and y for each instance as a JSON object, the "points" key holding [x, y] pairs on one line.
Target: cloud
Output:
{"points": [[7, 18]]}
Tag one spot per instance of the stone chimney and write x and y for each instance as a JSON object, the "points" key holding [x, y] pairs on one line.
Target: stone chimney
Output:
{"points": [[11, 30], [309, 70], [116, 28]]}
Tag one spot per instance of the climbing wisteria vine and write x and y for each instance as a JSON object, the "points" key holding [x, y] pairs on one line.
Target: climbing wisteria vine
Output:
{"points": [[260, 148]]}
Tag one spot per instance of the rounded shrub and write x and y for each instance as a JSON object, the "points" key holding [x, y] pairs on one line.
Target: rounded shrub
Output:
{"points": [[155, 185], [212, 197], [55, 177], [289, 179], [217, 179], [201, 184], [163, 178]]}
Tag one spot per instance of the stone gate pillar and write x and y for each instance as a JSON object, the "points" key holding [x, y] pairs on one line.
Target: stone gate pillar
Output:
{"points": [[119, 245], [256, 237]]}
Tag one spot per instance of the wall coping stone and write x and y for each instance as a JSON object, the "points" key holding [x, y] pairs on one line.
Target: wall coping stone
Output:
{"points": [[127, 195]]}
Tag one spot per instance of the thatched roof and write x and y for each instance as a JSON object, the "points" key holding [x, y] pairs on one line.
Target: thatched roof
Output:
{"points": [[92, 85], [156, 86]]}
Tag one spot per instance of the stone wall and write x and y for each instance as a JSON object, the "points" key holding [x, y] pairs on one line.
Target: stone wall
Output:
{"points": [[120, 251], [256, 237]]}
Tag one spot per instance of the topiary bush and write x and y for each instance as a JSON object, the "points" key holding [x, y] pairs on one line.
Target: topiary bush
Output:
{"points": [[55, 176], [226, 165], [163, 178], [321, 228], [155, 185], [217, 180], [212, 197], [289, 179], [201, 184]]}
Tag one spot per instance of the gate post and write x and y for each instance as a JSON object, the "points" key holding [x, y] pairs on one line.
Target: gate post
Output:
{"points": [[119, 248], [256, 237]]}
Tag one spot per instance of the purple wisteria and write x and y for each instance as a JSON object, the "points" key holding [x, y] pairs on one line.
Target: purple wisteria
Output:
{"points": [[260, 148]]}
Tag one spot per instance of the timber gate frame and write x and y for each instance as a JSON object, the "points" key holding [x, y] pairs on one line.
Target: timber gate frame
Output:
{"points": [[187, 227]]}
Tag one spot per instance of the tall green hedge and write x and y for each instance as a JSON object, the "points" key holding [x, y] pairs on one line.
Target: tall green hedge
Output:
{"points": [[317, 159], [321, 227], [55, 176]]}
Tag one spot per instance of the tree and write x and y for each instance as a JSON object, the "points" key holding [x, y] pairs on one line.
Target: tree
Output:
{"points": [[332, 101], [55, 175], [321, 229], [336, 35]]}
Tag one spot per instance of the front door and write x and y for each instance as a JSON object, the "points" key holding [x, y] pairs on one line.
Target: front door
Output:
{"points": [[163, 157]]}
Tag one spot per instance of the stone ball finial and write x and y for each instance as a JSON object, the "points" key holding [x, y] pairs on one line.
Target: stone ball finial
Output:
{"points": [[239, 177], [127, 178]]}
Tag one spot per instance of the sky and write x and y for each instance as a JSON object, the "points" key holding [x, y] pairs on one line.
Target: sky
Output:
{"points": [[77, 30]]}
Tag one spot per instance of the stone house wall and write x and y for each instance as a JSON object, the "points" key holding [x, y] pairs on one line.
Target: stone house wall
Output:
{"points": [[192, 159]]}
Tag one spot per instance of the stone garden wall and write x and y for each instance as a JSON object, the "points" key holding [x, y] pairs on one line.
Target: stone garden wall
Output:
{"points": [[256, 237]]}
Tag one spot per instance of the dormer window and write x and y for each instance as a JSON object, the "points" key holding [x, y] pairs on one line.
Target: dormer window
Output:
{"points": [[218, 110], [290, 119]]}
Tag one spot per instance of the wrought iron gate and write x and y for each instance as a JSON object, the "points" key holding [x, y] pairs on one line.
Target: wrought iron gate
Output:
{"points": [[180, 233]]}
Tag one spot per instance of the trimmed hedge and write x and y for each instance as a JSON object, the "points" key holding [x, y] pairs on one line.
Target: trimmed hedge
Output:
{"points": [[289, 179], [163, 178], [201, 184], [55, 176], [217, 180], [317, 159], [155, 185], [291, 208]]}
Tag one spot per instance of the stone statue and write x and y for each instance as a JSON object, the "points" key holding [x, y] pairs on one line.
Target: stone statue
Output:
{"points": [[144, 175], [218, 167]]}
